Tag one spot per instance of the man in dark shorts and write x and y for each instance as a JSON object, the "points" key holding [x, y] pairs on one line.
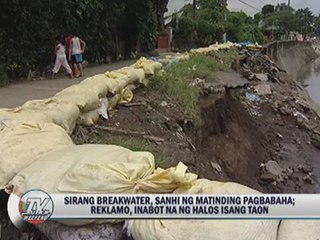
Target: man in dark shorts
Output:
{"points": [[76, 50]]}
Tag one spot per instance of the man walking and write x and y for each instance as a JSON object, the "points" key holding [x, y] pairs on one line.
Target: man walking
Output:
{"points": [[76, 50]]}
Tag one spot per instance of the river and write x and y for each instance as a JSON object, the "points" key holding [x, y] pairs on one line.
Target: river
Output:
{"points": [[311, 76]]}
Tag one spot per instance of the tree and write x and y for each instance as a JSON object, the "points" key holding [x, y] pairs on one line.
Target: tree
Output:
{"points": [[207, 27], [267, 10], [306, 21], [28, 29], [241, 27], [283, 22], [317, 25], [257, 18]]}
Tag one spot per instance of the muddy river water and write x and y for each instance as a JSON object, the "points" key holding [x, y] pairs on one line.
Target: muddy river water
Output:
{"points": [[311, 77]]}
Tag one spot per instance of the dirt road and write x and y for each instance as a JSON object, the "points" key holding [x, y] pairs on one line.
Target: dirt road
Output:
{"points": [[16, 94]]}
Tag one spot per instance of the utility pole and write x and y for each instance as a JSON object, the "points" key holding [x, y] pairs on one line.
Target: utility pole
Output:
{"points": [[289, 2]]}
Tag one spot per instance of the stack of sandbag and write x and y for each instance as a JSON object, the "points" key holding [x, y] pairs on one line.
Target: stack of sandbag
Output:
{"points": [[21, 145], [85, 98], [116, 81], [150, 67], [213, 48], [80, 95], [99, 169], [120, 83], [98, 84], [64, 114], [299, 229], [123, 81], [205, 229], [182, 57], [133, 74]]}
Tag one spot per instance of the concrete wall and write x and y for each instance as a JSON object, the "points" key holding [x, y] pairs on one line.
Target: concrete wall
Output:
{"points": [[292, 55]]}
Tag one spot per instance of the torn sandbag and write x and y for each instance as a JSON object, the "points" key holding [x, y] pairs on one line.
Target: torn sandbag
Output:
{"points": [[21, 145], [103, 108], [63, 114], [113, 102], [204, 229], [101, 169], [299, 229], [125, 96], [80, 95]]}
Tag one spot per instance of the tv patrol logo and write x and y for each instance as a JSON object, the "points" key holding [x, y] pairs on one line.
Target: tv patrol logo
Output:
{"points": [[36, 206]]}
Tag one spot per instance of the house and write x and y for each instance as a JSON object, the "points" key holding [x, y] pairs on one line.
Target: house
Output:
{"points": [[282, 7], [292, 36]]}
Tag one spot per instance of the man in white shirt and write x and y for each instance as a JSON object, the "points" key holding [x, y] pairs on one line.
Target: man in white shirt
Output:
{"points": [[76, 50]]}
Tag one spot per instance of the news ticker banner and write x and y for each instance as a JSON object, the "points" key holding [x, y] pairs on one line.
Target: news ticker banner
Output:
{"points": [[37, 206]]}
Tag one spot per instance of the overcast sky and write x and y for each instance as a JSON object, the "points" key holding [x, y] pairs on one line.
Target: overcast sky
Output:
{"points": [[235, 5]]}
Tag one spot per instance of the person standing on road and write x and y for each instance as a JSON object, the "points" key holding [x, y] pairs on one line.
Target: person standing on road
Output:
{"points": [[68, 44], [61, 59], [76, 50]]}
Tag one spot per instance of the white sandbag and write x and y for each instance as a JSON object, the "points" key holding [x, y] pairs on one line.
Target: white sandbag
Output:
{"points": [[299, 229], [24, 144], [133, 74], [56, 231], [89, 118], [80, 95], [124, 96], [182, 57], [115, 75], [116, 81], [116, 85], [100, 169], [17, 116], [61, 113], [150, 67], [205, 229], [97, 84]]}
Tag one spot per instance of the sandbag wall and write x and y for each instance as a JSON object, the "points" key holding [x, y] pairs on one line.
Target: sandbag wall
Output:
{"points": [[41, 126], [77, 104]]}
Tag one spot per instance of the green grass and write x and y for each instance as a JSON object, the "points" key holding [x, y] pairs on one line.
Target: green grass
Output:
{"points": [[133, 143], [175, 83]]}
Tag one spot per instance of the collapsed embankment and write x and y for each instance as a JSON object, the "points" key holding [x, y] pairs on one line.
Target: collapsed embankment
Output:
{"points": [[265, 133]]}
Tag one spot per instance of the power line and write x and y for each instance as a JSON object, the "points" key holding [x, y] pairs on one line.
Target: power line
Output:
{"points": [[249, 5], [261, 3]]}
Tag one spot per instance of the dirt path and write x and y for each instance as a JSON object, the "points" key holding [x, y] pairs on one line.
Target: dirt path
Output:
{"points": [[16, 94]]}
